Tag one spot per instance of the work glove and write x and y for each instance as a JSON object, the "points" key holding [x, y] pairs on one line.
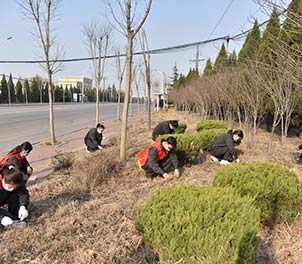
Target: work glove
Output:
{"points": [[23, 213], [6, 221]]}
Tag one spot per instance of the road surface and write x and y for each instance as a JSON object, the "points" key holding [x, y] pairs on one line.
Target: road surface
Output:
{"points": [[19, 123]]}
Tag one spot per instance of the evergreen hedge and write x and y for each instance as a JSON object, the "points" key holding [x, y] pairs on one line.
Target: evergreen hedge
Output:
{"points": [[275, 188], [211, 124], [197, 224], [189, 147], [181, 128]]}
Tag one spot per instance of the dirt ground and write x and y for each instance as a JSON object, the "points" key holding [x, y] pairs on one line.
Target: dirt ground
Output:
{"points": [[84, 214]]}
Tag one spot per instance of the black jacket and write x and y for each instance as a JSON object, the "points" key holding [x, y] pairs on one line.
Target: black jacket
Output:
{"points": [[161, 129], [225, 141], [19, 196], [93, 138], [153, 163], [14, 161]]}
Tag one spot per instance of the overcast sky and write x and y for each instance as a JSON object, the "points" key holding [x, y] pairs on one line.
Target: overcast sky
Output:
{"points": [[170, 23]]}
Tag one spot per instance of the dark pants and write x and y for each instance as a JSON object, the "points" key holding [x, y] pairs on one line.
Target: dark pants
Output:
{"points": [[222, 154], [12, 201], [90, 146], [165, 164]]}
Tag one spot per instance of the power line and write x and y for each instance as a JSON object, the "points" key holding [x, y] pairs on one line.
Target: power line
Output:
{"points": [[154, 51], [220, 19]]}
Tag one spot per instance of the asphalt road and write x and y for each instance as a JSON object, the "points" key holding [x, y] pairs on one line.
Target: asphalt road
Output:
{"points": [[19, 123]]}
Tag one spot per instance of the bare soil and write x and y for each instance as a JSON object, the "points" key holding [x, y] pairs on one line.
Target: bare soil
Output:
{"points": [[84, 214]]}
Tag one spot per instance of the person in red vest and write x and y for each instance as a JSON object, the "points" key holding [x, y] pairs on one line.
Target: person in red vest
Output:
{"points": [[17, 158], [13, 192], [159, 158]]}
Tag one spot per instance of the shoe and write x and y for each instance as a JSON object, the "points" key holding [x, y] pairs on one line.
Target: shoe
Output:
{"points": [[224, 162], [213, 158], [86, 148]]}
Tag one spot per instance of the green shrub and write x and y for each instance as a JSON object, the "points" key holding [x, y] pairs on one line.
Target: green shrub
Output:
{"points": [[206, 137], [275, 188], [181, 128], [189, 147], [211, 124], [197, 224]]}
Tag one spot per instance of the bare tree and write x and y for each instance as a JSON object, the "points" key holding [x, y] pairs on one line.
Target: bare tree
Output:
{"points": [[43, 13], [147, 58], [129, 30], [120, 77], [97, 39]]}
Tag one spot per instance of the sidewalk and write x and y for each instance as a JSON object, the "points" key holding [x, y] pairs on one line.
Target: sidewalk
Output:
{"points": [[41, 155]]}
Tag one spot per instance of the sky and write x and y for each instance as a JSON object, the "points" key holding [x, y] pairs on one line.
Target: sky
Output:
{"points": [[170, 23]]}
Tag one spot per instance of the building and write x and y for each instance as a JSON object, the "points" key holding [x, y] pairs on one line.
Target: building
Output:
{"points": [[81, 83], [78, 82]]}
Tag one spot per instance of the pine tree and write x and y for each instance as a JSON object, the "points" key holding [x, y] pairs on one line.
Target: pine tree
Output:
{"points": [[268, 47], [26, 91], [11, 88], [175, 75], [222, 59], [35, 93], [251, 45], [291, 33], [233, 59], [19, 93], [192, 75], [208, 70], [4, 90]]}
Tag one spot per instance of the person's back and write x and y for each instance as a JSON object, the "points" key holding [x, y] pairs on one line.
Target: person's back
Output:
{"points": [[163, 128], [222, 141]]}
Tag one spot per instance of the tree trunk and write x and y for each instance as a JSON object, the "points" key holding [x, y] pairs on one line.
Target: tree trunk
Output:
{"points": [[119, 100], [51, 115], [97, 103], [123, 146]]}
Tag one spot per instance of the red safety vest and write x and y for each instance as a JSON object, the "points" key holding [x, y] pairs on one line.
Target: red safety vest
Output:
{"points": [[142, 157], [20, 159]]}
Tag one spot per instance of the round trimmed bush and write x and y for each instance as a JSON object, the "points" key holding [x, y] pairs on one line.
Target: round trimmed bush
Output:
{"points": [[197, 224], [181, 128], [275, 188], [206, 137], [211, 124], [189, 147]]}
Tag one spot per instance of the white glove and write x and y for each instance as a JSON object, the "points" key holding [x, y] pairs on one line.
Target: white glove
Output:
{"points": [[23, 213], [237, 160], [100, 147], [6, 221]]}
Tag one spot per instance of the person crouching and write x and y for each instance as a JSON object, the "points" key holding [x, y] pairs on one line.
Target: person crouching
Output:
{"points": [[159, 159], [13, 192]]}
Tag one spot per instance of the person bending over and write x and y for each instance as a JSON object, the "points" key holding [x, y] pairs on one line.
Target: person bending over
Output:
{"points": [[159, 159], [17, 158], [93, 139], [13, 192], [223, 147], [165, 127]]}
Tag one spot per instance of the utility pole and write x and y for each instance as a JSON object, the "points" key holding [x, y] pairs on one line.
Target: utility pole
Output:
{"points": [[197, 60]]}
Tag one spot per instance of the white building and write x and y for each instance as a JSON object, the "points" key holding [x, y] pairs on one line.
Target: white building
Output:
{"points": [[74, 81]]}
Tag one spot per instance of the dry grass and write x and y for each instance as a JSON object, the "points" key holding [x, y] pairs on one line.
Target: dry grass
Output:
{"points": [[62, 160], [84, 215]]}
